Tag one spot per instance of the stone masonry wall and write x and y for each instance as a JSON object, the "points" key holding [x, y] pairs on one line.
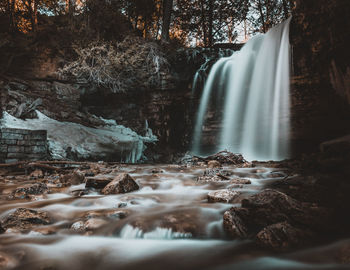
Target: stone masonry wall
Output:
{"points": [[22, 144]]}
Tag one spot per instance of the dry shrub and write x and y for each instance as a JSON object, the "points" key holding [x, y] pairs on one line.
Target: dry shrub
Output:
{"points": [[121, 66]]}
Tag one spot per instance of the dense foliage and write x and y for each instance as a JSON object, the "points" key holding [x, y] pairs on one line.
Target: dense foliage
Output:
{"points": [[191, 22], [118, 66]]}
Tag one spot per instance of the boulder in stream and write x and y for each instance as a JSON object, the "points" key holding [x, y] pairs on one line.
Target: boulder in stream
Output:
{"points": [[240, 181], [78, 226], [214, 175], [226, 157], [94, 223], [123, 183], [234, 224], [222, 195], [214, 164], [74, 178], [37, 174], [24, 219], [29, 190], [282, 236], [272, 206], [275, 218], [98, 182]]}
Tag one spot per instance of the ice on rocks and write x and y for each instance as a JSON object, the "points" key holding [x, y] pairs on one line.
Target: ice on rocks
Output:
{"points": [[86, 142]]}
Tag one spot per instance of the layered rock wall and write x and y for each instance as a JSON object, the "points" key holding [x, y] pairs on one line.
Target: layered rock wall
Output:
{"points": [[22, 144]]}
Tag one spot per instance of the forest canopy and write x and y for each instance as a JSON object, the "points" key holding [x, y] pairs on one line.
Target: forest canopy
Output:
{"points": [[187, 22]]}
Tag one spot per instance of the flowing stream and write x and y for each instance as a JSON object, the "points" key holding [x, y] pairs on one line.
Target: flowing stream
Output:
{"points": [[254, 84], [167, 223]]}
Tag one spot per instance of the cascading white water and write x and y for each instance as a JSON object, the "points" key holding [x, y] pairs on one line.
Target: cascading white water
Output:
{"points": [[130, 232], [255, 82], [200, 75]]}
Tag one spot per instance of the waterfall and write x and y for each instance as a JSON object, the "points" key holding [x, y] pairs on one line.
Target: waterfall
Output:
{"points": [[254, 84]]}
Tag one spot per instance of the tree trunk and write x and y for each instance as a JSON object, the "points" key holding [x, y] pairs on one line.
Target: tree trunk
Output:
{"points": [[167, 10], [67, 6], [211, 15], [203, 20], [285, 9], [71, 8], [262, 16], [34, 14], [11, 12], [268, 19]]}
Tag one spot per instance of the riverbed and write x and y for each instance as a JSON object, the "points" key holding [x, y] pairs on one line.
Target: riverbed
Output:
{"points": [[167, 223]]}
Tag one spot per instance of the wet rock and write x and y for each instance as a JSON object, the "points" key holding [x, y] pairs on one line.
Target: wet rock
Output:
{"points": [[225, 157], [271, 206], [222, 195], [25, 109], [98, 182], [214, 164], [258, 170], [181, 222], [157, 170], [96, 168], [282, 236], [24, 219], [234, 224], [89, 174], [187, 159], [78, 226], [7, 261], [209, 178], [94, 223], [240, 181], [75, 178], [118, 214], [12, 231], [37, 174], [90, 224], [123, 183], [79, 192], [276, 175], [45, 230], [214, 175], [306, 189], [122, 205], [217, 171], [29, 191], [274, 215]]}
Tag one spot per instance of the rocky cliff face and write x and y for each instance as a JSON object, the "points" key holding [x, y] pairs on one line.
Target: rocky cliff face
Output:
{"points": [[320, 82], [58, 100], [167, 112]]}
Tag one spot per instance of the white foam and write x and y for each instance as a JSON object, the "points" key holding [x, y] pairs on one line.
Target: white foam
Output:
{"points": [[130, 232]]}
